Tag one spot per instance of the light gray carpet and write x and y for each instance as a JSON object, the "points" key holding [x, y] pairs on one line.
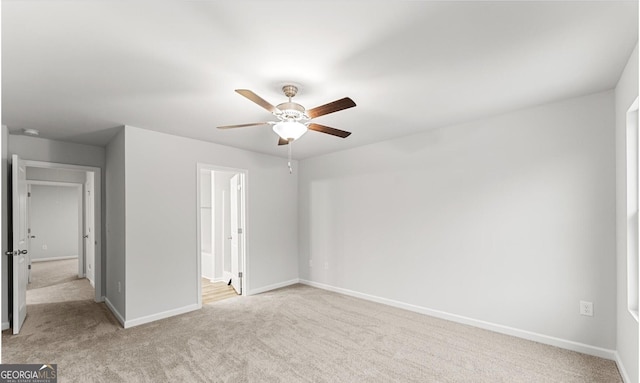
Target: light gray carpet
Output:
{"points": [[295, 334]]}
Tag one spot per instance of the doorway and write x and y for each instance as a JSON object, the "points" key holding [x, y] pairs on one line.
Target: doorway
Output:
{"points": [[221, 233], [55, 219], [85, 181]]}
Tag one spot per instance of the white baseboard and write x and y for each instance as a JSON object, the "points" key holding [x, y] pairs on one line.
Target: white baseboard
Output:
{"points": [[621, 369], [162, 315], [5, 326], [524, 334], [115, 312], [53, 259], [216, 280], [274, 286]]}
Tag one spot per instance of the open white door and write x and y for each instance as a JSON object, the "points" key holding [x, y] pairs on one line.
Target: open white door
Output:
{"points": [[29, 234], [89, 237], [235, 231], [20, 243]]}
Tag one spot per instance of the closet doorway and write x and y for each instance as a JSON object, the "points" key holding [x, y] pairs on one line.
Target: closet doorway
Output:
{"points": [[221, 239]]}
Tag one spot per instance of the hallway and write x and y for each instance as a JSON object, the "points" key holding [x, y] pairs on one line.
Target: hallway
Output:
{"points": [[57, 281]]}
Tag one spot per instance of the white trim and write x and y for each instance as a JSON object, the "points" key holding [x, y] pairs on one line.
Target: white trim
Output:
{"points": [[115, 312], [524, 334], [633, 146], [199, 236], [274, 286], [5, 326], [216, 280], [54, 183], [53, 259], [162, 315], [621, 369]]}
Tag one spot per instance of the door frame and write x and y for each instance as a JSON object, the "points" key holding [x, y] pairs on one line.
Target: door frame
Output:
{"points": [[244, 219], [81, 218], [97, 213]]}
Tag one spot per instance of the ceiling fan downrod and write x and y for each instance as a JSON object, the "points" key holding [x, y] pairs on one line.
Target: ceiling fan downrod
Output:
{"points": [[290, 91]]}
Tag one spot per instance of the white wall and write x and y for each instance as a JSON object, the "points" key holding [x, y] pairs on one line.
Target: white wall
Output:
{"points": [[508, 220], [54, 221], [627, 327], [161, 251], [42, 149], [115, 225], [56, 175]]}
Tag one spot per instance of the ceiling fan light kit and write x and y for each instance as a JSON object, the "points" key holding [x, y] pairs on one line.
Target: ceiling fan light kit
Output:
{"points": [[293, 119], [290, 130]]}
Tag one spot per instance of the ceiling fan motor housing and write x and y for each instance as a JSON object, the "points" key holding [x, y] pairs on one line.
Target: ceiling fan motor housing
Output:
{"points": [[291, 111]]}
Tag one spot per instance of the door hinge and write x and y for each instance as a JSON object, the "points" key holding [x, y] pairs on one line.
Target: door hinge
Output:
{"points": [[28, 194], [239, 230], [239, 274]]}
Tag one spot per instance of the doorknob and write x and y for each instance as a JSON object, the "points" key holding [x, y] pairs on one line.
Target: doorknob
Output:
{"points": [[86, 236], [33, 236], [15, 252]]}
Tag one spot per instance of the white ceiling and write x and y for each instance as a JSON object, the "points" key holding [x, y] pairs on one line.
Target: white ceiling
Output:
{"points": [[76, 70]]}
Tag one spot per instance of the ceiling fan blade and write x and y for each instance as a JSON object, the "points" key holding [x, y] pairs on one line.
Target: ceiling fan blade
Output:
{"points": [[282, 141], [257, 99], [242, 125], [328, 130], [343, 103]]}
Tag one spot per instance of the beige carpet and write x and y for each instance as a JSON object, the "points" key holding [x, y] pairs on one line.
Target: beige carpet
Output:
{"points": [[56, 281], [49, 273], [295, 334]]}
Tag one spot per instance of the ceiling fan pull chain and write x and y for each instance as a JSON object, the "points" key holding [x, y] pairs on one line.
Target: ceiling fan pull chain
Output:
{"points": [[289, 162]]}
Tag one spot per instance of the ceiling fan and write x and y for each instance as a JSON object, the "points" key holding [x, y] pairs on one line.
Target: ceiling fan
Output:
{"points": [[293, 119]]}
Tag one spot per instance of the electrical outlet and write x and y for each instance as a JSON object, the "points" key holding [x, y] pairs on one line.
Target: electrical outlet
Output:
{"points": [[586, 308]]}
